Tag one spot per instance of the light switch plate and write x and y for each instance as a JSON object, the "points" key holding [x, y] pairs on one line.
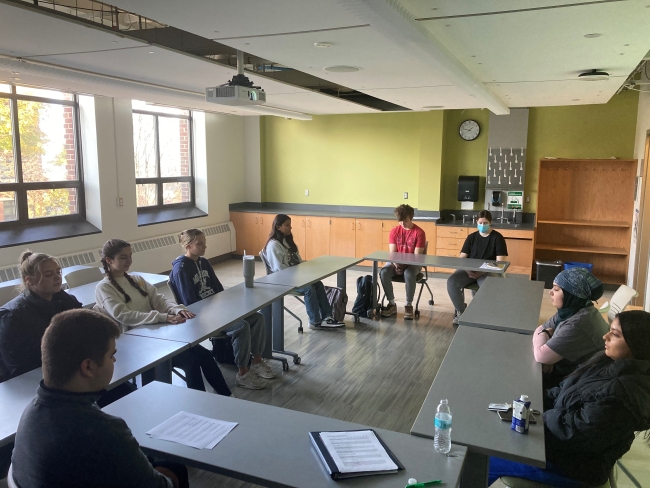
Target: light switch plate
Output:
{"points": [[406, 195]]}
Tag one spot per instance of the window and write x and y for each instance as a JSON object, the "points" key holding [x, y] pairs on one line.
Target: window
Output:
{"points": [[162, 143], [40, 156]]}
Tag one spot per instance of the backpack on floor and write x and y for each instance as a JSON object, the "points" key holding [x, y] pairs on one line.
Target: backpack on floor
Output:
{"points": [[363, 302], [222, 349], [338, 301]]}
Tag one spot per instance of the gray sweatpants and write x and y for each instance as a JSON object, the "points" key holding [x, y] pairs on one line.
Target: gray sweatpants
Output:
{"points": [[456, 284], [410, 278], [248, 336]]}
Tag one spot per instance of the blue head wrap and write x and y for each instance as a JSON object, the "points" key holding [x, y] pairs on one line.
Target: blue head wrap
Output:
{"points": [[580, 287]]}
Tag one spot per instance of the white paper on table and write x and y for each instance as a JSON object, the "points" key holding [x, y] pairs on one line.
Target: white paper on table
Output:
{"points": [[491, 265], [357, 451], [192, 430]]}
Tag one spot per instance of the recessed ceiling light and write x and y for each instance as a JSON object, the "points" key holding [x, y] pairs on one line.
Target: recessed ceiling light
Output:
{"points": [[432, 107], [593, 35], [151, 52], [14, 78], [323, 44], [341, 69], [15, 73]]}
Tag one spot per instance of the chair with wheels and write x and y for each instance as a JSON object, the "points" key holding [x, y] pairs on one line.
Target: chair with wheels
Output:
{"points": [[421, 280], [621, 299], [8, 293], [83, 276]]}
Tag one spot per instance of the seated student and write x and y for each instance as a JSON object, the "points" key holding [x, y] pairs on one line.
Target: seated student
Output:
{"points": [[63, 438], [576, 331], [590, 420], [281, 252], [193, 279], [409, 238], [24, 319], [486, 244], [131, 301]]}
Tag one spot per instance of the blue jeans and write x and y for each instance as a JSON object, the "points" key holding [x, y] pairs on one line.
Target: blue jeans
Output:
{"points": [[549, 476], [248, 336], [316, 302]]}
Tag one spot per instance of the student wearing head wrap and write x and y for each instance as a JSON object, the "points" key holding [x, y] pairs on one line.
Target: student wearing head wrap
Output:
{"points": [[576, 331], [591, 419]]}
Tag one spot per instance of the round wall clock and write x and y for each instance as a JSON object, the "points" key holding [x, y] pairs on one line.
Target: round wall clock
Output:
{"points": [[469, 130]]}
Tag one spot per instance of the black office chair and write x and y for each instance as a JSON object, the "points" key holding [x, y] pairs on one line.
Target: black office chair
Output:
{"points": [[421, 280]]}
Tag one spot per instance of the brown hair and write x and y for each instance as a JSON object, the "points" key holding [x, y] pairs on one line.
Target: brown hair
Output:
{"points": [[72, 337], [485, 214], [188, 236], [403, 212], [30, 264], [111, 249], [279, 236]]}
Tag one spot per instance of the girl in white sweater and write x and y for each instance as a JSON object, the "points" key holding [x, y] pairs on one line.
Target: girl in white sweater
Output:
{"points": [[131, 301]]}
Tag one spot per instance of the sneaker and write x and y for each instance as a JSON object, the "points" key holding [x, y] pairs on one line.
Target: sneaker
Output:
{"points": [[250, 381], [408, 312], [456, 318], [326, 326], [262, 370], [391, 309]]}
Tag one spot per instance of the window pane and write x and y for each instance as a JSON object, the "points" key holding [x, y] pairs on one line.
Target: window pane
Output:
{"points": [[149, 107], [8, 206], [146, 195], [5, 88], [47, 145], [7, 164], [174, 147], [49, 203], [144, 146], [178, 192], [40, 92]]}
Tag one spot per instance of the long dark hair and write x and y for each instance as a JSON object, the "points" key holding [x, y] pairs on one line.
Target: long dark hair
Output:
{"points": [[111, 249], [279, 236]]}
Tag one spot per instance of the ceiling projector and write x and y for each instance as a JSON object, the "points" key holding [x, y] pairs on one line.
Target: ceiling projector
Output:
{"points": [[239, 91]]}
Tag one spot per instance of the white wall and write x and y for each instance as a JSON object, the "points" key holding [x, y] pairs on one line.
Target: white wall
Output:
{"points": [[253, 161], [109, 171]]}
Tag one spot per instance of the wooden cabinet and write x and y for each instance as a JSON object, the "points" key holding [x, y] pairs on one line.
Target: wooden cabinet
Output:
{"points": [[368, 238], [449, 242], [342, 237], [317, 236], [520, 255], [264, 224], [430, 231], [299, 229], [246, 228]]}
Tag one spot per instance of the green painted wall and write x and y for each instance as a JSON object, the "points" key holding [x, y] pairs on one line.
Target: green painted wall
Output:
{"points": [[369, 159]]}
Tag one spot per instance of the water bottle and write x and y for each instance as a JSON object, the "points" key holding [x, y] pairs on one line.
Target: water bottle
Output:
{"points": [[442, 439]]}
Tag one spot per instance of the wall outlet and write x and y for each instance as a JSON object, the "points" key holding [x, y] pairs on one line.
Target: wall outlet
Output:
{"points": [[120, 201], [306, 193], [527, 199], [406, 195]]}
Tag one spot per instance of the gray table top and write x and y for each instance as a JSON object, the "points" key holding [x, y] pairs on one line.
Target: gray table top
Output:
{"points": [[510, 305], [86, 293], [134, 355], [215, 313], [485, 366], [283, 455], [309, 272], [428, 260]]}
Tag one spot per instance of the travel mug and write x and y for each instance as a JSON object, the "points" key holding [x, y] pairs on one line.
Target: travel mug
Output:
{"points": [[249, 271]]}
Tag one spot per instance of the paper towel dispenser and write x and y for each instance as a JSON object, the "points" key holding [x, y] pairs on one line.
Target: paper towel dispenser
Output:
{"points": [[468, 188]]}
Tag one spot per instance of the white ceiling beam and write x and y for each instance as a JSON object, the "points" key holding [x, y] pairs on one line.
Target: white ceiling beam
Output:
{"points": [[390, 19]]}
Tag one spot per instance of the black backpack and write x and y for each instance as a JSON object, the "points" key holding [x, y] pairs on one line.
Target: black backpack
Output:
{"points": [[363, 302]]}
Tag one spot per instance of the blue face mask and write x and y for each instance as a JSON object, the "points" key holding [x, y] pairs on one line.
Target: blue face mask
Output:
{"points": [[483, 228]]}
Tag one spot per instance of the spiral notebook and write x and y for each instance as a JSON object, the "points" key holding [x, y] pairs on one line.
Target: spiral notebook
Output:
{"points": [[353, 453]]}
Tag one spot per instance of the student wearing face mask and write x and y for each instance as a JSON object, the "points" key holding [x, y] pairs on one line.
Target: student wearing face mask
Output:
{"points": [[486, 244]]}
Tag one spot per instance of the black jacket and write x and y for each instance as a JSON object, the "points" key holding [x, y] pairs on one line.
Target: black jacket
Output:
{"points": [[592, 419], [23, 321], [65, 440]]}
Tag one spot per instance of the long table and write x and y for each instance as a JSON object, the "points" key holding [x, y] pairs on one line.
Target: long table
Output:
{"points": [[64, 271], [423, 260], [271, 446], [300, 276], [484, 366], [510, 305], [134, 356]]}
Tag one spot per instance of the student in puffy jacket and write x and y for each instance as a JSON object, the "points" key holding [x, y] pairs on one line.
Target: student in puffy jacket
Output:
{"points": [[192, 279], [590, 420]]}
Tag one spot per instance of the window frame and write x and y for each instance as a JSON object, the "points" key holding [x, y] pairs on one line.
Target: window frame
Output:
{"points": [[160, 180], [21, 188]]}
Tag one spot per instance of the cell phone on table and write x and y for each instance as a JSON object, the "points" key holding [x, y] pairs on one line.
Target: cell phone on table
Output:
{"points": [[507, 417]]}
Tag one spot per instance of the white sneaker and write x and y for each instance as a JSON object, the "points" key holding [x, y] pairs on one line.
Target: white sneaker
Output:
{"points": [[262, 370], [250, 381]]}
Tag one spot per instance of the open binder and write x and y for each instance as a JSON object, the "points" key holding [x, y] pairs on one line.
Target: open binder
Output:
{"points": [[331, 465]]}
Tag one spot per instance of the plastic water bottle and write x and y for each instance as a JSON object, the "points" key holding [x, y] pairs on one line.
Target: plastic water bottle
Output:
{"points": [[442, 439]]}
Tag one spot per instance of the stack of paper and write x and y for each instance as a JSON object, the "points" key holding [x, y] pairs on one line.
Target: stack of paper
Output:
{"points": [[492, 265], [192, 430]]}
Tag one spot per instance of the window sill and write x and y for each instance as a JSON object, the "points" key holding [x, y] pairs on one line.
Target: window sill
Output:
{"points": [[159, 216], [16, 236]]}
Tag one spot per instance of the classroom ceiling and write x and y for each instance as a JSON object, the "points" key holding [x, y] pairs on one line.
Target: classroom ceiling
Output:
{"points": [[417, 54]]}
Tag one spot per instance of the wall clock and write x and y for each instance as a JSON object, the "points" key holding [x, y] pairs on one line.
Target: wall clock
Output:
{"points": [[469, 130]]}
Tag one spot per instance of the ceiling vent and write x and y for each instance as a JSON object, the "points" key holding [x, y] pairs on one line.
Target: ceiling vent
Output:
{"points": [[594, 75]]}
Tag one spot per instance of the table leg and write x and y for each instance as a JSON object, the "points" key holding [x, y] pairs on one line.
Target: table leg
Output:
{"points": [[375, 276], [475, 471], [340, 279], [268, 325], [163, 372], [274, 325]]}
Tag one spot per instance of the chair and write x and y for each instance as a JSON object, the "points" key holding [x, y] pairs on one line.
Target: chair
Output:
{"points": [[11, 483], [621, 299], [83, 277], [513, 482], [421, 279], [8, 293]]}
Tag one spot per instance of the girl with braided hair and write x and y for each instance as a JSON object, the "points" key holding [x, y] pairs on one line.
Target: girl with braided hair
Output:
{"points": [[131, 301]]}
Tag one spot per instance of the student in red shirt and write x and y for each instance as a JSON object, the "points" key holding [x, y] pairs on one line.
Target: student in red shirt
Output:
{"points": [[406, 237]]}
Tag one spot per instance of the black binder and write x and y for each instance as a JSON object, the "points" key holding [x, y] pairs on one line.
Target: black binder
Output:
{"points": [[330, 465]]}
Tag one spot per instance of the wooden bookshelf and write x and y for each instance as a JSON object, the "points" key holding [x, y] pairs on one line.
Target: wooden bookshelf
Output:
{"points": [[584, 213]]}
